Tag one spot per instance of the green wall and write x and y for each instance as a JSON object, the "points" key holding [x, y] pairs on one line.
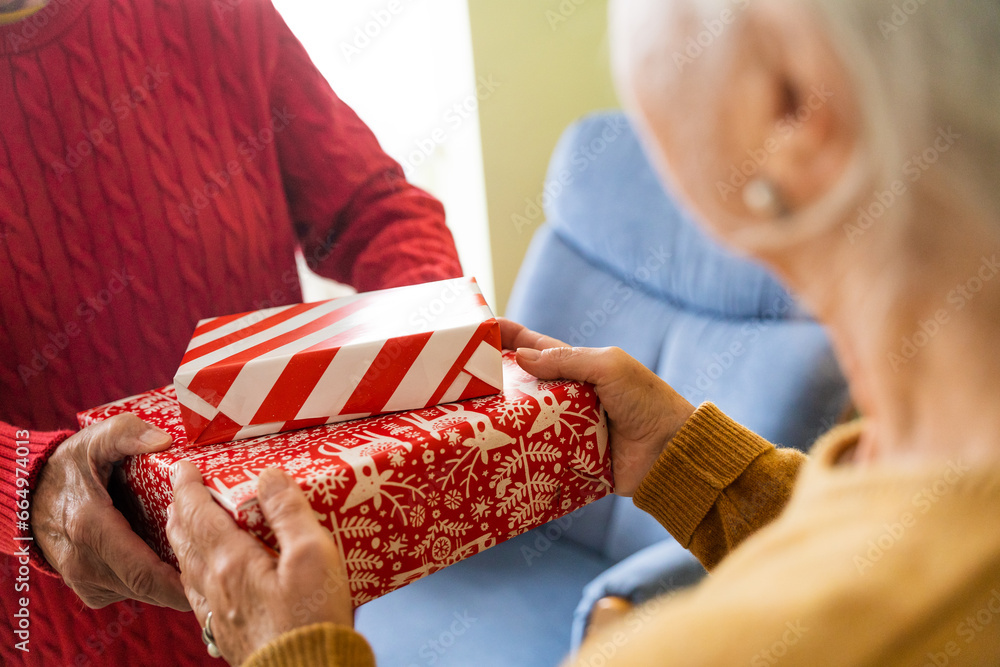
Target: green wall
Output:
{"points": [[549, 59]]}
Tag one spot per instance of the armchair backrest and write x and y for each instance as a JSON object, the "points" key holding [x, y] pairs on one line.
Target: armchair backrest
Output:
{"points": [[618, 262]]}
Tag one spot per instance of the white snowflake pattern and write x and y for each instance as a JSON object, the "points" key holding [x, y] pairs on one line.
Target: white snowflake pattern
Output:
{"points": [[298, 463], [511, 413], [323, 487], [453, 499], [399, 429], [417, 515]]}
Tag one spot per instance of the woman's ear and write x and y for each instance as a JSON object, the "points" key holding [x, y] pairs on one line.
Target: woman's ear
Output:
{"points": [[806, 127], [767, 107]]}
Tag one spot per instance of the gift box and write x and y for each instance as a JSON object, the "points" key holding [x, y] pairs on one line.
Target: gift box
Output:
{"points": [[292, 367], [403, 494]]}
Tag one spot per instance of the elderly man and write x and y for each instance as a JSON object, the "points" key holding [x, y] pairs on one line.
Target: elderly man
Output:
{"points": [[881, 548], [160, 162]]}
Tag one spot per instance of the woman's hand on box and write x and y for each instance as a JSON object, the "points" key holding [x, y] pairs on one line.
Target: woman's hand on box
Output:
{"points": [[255, 595], [644, 412], [81, 533]]}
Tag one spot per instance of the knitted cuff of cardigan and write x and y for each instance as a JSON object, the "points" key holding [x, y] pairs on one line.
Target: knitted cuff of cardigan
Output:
{"points": [[709, 453], [23, 453], [319, 645]]}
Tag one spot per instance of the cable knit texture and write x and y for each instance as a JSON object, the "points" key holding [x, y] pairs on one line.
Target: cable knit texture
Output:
{"points": [[717, 500], [162, 161]]}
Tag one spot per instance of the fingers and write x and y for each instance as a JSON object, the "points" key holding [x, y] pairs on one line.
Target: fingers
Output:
{"points": [[196, 526], [125, 435], [310, 566], [141, 574], [514, 336], [291, 518], [199, 603], [597, 366]]}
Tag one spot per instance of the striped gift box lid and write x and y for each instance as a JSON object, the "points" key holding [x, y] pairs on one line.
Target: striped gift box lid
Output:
{"points": [[291, 367]]}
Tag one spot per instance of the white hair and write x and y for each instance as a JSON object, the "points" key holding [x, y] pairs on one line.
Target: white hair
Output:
{"points": [[922, 67], [919, 68]]}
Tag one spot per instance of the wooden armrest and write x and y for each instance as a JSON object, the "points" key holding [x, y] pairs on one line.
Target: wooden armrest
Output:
{"points": [[607, 612]]}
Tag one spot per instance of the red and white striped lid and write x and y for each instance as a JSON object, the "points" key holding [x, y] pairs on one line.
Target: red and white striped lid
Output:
{"points": [[291, 367]]}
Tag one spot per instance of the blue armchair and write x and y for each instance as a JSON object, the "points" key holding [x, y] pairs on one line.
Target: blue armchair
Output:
{"points": [[618, 263]]}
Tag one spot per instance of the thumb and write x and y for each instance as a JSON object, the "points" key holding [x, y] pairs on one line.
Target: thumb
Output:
{"points": [[125, 435], [596, 366], [286, 509]]}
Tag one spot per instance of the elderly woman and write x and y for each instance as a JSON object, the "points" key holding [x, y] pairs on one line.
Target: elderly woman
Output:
{"points": [[878, 203]]}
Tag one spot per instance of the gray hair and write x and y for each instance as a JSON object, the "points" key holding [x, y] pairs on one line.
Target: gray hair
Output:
{"points": [[923, 68], [920, 68]]}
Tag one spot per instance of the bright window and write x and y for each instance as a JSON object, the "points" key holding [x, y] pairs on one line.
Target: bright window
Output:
{"points": [[406, 68]]}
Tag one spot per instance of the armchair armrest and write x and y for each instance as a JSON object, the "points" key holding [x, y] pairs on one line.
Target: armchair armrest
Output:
{"points": [[654, 571]]}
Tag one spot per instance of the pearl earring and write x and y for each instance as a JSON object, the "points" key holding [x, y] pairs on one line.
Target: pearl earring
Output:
{"points": [[762, 198]]}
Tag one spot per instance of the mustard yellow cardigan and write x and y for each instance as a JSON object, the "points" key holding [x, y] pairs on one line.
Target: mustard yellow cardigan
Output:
{"points": [[861, 565]]}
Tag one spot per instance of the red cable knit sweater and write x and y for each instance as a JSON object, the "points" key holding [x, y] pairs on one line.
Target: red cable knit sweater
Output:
{"points": [[160, 162]]}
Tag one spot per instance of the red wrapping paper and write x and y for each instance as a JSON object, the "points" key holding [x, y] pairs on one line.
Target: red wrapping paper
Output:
{"points": [[404, 494], [309, 364]]}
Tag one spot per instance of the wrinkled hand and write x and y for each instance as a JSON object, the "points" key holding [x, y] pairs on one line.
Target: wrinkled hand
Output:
{"points": [[644, 412], [80, 532], [254, 596]]}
